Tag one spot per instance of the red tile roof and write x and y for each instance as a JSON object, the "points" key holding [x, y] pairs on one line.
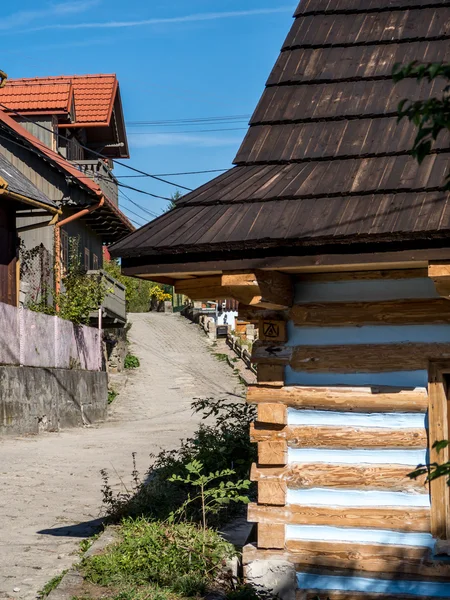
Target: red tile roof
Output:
{"points": [[94, 96], [54, 98], [65, 165]]}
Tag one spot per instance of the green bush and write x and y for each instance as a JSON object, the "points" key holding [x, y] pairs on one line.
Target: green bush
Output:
{"points": [[181, 558], [131, 362], [223, 443]]}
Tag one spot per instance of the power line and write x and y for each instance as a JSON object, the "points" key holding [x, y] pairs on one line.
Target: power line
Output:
{"points": [[175, 174], [152, 214], [186, 131], [99, 154], [167, 122], [136, 215]]}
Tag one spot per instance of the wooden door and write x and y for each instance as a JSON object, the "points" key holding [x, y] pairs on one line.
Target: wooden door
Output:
{"points": [[8, 255]]}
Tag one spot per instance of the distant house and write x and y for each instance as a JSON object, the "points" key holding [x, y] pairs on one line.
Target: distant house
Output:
{"points": [[50, 130], [336, 241], [18, 197]]}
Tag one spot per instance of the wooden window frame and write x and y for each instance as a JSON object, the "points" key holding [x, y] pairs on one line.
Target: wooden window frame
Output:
{"points": [[95, 262], [439, 429]]}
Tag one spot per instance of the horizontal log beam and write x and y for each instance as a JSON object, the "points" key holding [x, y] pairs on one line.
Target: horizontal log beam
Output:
{"points": [[394, 518], [392, 478], [339, 437], [364, 275], [389, 561], [364, 358], [375, 399], [264, 289], [439, 272], [398, 312], [273, 354], [367, 557]]}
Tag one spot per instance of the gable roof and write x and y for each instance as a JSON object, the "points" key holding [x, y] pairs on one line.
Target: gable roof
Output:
{"points": [[109, 209], [12, 180], [324, 161], [94, 96]]}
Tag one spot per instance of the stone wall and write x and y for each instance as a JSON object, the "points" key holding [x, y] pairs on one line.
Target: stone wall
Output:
{"points": [[116, 348], [45, 399]]}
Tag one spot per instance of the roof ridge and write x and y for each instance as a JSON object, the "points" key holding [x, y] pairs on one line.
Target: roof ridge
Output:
{"points": [[61, 77], [403, 5]]}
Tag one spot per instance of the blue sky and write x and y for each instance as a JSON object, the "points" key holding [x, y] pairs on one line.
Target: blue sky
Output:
{"points": [[174, 60]]}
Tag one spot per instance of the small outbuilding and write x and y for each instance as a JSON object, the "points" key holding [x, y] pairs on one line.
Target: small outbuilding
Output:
{"points": [[334, 239]]}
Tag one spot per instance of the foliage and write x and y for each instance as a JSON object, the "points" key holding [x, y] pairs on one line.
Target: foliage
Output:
{"points": [[112, 395], [82, 293], [51, 585], [173, 201], [159, 294], [434, 470], [429, 116], [136, 290], [212, 498], [223, 443], [131, 362], [179, 557]]}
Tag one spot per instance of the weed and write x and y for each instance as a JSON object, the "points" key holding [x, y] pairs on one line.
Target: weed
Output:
{"points": [[220, 356], [112, 395], [182, 558], [51, 585], [87, 543], [131, 361], [222, 444]]}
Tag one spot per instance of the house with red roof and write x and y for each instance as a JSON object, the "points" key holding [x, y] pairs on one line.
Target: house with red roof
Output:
{"points": [[52, 130]]}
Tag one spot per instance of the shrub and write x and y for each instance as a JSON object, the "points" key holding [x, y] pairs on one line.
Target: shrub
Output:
{"points": [[224, 443], [131, 362], [182, 557]]}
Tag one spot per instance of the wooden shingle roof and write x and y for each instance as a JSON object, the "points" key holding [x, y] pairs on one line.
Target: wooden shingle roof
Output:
{"points": [[324, 161]]}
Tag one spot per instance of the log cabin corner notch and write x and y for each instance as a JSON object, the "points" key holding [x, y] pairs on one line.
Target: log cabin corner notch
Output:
{"points": [[258, 289], [439, 272]]}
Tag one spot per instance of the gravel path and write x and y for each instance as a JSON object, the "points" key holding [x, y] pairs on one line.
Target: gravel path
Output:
{"points": [[50, 484]]}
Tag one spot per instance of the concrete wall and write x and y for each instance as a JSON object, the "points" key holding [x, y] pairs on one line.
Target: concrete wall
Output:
{"points": [[34, 400]]}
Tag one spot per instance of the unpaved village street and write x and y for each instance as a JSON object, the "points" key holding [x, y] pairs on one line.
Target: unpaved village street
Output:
{"points": [[50, 484]]}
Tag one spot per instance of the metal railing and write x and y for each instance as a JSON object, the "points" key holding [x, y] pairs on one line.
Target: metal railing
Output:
{"points": [[99, 171]]}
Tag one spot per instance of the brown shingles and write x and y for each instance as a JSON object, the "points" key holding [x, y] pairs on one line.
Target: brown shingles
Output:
{"points": [[324, 157]]}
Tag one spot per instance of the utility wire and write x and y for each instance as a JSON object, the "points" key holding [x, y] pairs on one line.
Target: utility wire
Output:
{"points": [[99, 154], [186, 131], [167, 122], [174, 174], [151, 213]]}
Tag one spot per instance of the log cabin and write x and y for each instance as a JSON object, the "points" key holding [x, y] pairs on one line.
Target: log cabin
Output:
{"points": [[336, 242]]}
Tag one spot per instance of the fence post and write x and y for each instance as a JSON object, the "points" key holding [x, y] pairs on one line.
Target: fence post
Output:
{"points": [[100, 345]]}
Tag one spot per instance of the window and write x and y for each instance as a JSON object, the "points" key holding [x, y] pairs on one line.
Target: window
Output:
{"points": [[64, 250], [95, 262], [87, 259], [439, 429]]}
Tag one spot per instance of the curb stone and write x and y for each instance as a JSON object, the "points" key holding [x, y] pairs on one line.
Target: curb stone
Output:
{"points": [[73, 579]]}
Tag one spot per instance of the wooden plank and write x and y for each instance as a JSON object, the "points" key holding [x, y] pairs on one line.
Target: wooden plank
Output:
{"points": [[303, 436], [364, 358], [271, 376], [255, 313], [273, 354], [364, 275], [403, 312], [271, 535], [273, 414], [358, 399], [272, 452], [277, 289], [272, 492], [367, 557], [394, 518], [274, 330], [438, 430], [336, 595], [388, 561], [392, 478]]}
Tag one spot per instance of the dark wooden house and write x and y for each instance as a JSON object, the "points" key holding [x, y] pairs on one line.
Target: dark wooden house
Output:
{"points": [[18, 198], [336, 242]]}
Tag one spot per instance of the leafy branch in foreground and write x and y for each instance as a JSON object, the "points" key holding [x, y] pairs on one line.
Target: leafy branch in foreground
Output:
{"points": [[431, 116], [434, 470]]}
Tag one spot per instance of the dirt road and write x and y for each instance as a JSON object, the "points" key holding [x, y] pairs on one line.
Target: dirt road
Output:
{"points": [[50, 484]]}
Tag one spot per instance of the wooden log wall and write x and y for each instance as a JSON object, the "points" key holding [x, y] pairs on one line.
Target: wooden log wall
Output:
{"points": [[343, 401]]}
